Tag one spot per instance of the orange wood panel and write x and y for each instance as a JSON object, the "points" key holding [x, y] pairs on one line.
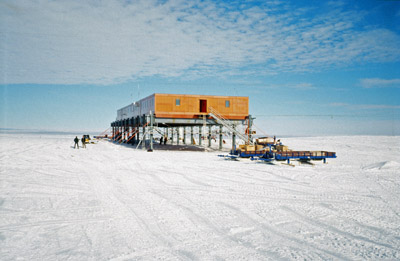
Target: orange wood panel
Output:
{"points": [[165, 106]]}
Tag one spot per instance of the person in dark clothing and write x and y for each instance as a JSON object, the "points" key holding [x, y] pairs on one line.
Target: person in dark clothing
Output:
{"points": [[76, 140], [83, 142], [165, 139], [161, 140]]}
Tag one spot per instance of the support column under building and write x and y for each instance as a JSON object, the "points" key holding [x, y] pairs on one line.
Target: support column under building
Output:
{"points": [[200, 134], [151, 131], [191, 135], [143, 134], [137, 138], [137, 131], [209, 136], [220, 137], [128, 131], [233, 138], [177, 135], [166, 131], [132, 137]]}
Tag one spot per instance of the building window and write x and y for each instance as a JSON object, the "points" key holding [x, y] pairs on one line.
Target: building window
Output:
{"points": [[178, 102], [227, 104]]}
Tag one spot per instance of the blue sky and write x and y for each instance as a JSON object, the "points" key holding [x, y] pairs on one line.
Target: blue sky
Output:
{"points": [[308, 67]]}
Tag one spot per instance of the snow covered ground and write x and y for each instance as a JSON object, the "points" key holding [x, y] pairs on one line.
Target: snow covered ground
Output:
{"points": [[112, 202]]}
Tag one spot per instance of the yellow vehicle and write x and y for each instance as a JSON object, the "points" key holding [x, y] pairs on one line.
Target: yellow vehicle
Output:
{"points": [[87, 138]]}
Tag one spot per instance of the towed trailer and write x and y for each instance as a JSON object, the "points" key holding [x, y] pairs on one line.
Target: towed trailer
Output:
{"points": [[305, 155], [298, 155], [236, 154], [277, 152]]}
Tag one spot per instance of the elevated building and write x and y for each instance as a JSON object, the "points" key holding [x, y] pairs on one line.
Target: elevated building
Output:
{"points": [[167, 113]]}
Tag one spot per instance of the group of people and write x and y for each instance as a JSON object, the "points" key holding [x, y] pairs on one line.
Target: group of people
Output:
{"points": [[163, 139], [83, 140]]}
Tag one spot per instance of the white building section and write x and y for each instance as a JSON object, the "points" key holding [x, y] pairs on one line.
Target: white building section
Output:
{"points": [[144, 106]]}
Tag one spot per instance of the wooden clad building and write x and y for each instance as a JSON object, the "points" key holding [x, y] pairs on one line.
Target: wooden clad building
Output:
{"points": [[187, 106], [171, 114]]}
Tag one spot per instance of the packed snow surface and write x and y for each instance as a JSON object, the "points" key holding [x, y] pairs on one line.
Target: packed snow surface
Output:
{"points": [[113, 202]]}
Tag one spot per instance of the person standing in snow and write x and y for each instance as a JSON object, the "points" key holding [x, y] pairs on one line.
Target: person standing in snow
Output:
{"points": [[161, 140], [76, 140], [83, 142]]}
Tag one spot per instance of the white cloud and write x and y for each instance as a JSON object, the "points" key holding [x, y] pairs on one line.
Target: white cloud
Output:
{"points": [[67, 42], [364, 106], [294, 86], [303, 86], [380, 83]]}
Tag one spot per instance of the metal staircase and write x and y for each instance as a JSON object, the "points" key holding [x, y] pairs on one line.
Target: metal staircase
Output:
{"points": [[221, 120], [158, 130]]}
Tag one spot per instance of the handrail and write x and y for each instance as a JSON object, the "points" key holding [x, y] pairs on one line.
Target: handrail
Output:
{"points": [[104, 132], [133, 134], [136, 132], [115, 135], [122, 133], [127, 131], [158, 130], [220, 119]]}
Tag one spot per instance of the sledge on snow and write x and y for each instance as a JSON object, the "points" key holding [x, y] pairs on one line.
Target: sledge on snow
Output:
{"points": [[269, 150]]}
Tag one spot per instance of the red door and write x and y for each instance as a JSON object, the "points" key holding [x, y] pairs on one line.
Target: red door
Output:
{"points": [[203, 106]]}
